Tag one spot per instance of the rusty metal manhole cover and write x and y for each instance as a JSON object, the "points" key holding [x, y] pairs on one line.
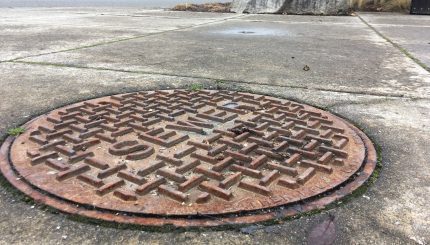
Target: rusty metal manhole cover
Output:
{"points": [[181, 156]]}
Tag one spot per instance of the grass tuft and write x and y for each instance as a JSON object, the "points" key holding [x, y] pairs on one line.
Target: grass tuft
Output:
{"points": [[15, 131], [195, 87]]}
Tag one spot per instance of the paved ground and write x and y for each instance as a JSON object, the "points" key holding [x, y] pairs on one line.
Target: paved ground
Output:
{"points": [[98, 3], [372, 69]]}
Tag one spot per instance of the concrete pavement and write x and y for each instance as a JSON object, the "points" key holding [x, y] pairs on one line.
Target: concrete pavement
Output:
{"points": [[410, 32], [97, 3], [371, 69]]}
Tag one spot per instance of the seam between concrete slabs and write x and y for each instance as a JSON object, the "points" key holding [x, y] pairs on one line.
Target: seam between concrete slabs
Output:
{"points": [[163, 16], [395, 45], [216, 79], [124, 39]]}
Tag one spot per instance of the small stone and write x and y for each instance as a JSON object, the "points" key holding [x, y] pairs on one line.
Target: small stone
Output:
{"points": [[306, 68]]}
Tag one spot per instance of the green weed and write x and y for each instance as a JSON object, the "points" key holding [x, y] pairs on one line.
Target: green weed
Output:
{"points": [[196, 87], [15, 131]]}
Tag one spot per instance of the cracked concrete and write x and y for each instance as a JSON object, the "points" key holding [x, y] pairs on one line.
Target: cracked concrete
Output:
{"points": [[56, 56]]}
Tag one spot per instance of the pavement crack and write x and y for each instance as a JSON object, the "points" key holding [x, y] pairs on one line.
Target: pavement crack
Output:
{"points": [[369, 102], [215, 79]]}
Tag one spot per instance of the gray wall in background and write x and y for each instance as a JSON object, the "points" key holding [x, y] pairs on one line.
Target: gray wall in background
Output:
{"points": [[325, 7]]}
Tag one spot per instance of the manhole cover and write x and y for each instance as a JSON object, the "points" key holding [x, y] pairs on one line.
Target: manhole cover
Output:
{"points": [[183, 156]]}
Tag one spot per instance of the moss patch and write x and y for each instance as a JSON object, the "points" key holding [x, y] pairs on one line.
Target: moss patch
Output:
{"points": [[195, 87], [15, 131]]}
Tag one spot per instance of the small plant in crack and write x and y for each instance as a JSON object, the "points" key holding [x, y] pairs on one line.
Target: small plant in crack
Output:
{"points": [[196, 87], [15, 131], [219, 84]]}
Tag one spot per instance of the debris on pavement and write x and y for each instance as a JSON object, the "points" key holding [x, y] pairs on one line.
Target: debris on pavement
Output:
{"points": [[306, 68]]}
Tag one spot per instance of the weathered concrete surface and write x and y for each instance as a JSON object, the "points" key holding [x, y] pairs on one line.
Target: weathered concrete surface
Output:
{"points": [[411, 32], [98, 3], [247, 49], [351, 74], [27, 32], [318, 7]]}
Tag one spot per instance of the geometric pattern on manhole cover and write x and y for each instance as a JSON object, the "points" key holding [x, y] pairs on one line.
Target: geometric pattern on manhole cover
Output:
{"points": [[187, 152]]}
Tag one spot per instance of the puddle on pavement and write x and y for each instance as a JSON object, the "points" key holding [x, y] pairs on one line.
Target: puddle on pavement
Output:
{"points": [[253, 32]]}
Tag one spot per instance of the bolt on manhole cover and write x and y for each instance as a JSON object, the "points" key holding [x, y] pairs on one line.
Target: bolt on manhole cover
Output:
{"points": [[187, 158]]}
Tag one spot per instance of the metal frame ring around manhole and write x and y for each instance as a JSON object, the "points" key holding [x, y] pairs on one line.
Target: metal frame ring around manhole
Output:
{"points": [[188, 158]]}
